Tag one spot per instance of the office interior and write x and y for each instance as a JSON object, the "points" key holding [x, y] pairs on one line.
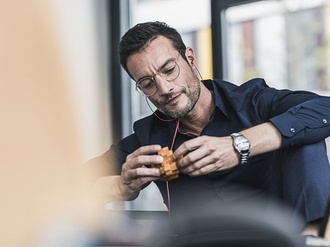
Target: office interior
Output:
{"points": [[65, 99]]}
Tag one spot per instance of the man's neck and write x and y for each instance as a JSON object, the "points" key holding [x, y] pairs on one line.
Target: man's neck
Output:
{"points": [[200, 116]]}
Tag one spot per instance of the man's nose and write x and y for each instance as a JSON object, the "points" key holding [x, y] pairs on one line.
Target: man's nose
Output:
{"points": [[163, 86]]}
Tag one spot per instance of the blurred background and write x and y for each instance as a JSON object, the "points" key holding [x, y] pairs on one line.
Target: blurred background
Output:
{"points": [[65, 99]]}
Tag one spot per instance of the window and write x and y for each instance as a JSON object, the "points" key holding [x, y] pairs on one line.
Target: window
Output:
{"points": [[284, 42]]}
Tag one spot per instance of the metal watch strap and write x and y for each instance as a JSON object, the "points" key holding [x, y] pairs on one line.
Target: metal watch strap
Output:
{"points": [[244, 157]]}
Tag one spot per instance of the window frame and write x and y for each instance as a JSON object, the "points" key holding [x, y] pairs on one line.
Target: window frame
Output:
{"points": [[218, 28]]}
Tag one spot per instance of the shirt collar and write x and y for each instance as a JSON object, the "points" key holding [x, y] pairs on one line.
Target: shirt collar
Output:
{"points": [[219, 97]]}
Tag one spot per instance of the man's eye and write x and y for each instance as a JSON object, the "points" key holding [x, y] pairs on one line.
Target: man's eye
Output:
{"points": [[169, 71], [145, 84]]}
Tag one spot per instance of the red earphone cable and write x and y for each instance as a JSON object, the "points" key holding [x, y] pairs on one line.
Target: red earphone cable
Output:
{"points": [[167, 183], [161, 119], [172, 145]]}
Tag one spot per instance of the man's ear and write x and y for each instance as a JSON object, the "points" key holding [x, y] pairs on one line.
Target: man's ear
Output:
{"points": [[190, 55]]}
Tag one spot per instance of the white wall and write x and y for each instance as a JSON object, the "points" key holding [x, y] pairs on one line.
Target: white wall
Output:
{"points": [[82, 32]]}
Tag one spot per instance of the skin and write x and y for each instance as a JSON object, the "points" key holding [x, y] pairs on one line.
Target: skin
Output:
{"points": [[189, 100]]}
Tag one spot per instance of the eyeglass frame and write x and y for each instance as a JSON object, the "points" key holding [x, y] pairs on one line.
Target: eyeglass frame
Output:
{"points": [[152, 77]]}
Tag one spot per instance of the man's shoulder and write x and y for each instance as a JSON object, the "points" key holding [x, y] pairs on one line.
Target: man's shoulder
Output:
{"points": [[144, 122], [155, 119], [248, 85]]}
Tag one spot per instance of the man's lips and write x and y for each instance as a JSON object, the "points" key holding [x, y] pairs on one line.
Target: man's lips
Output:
{"points": [[173, 100]]}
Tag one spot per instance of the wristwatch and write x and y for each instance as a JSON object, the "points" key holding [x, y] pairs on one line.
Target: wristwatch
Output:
{"points": [[242, 145]]}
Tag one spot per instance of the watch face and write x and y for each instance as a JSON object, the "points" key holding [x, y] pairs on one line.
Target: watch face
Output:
{"points": [[242, 143], [243, 146]]}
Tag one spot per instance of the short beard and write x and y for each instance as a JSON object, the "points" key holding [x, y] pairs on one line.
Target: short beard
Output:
{"points": [[193, 98], [182, 113]]}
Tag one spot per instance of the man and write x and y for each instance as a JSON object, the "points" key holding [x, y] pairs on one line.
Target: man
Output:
{"points": [[231, 143]]}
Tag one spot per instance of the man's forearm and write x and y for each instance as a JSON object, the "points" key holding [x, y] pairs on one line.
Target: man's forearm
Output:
{"points": [[263, 138]]}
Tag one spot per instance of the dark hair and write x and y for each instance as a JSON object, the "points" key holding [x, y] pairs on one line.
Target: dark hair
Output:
{"points": [[139, 36]]}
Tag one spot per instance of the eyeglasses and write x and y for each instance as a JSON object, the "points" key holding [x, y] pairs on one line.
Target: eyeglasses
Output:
{"points": [[169, 72]]}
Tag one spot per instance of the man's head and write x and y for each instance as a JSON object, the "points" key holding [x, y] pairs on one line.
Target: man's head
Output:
{"points": [[163, 68], [139, 36]]}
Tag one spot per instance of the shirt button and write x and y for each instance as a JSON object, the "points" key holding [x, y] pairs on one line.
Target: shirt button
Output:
{"points": [[292, 130], [324, 121]]}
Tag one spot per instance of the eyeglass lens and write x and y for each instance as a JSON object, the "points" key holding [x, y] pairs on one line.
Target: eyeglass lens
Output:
{"points": [[147, 86]]}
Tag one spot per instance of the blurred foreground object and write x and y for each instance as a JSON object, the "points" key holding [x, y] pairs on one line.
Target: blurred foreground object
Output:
{"points": [[236, 225], [40, 143]]}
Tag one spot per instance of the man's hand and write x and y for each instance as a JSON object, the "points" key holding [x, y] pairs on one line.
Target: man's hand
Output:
{"points": [[137, 171], [206, 154], [135, 175]]}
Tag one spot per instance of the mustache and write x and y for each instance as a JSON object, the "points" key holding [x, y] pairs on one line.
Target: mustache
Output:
{"points": [[167, 97]]}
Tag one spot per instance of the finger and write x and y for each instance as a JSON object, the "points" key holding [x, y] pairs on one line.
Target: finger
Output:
{"points": [[147, 172], [200, 153], [150, 149], [205, 158], [208, 165], [142, 160], [203, 169], [140, 174], [186, 148]]}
